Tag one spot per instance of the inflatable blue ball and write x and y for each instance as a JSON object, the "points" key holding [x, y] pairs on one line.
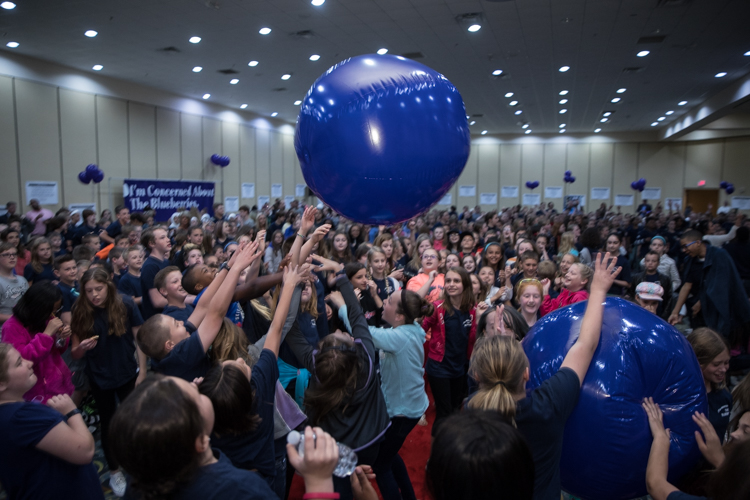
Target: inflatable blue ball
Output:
{"points": [[607, 438], [381, 138]]}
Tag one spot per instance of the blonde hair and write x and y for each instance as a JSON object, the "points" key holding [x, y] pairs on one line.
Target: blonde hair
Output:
{"points": [[498, 364], [586, 274], [707, 344], [567, 242], [230, 343]]}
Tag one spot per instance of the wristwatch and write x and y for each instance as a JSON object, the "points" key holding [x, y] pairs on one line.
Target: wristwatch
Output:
{"points": [[72, 412], [225, 266]]}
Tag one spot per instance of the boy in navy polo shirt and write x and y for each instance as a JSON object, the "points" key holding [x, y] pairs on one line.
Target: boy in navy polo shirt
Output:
{"points": [[169, 283], [157, 244]]}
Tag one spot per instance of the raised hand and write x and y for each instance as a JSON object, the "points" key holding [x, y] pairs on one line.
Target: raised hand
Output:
{"points": [[711, 446], [308, 220], [500, 321], [53, 326], [247, 255], [336, 299], [655, 419], [605, 273], [291, 276], [234, 256], [320, 457], [320, 233]]}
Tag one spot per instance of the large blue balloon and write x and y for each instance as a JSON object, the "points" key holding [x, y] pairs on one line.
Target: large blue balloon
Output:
{"points": [[607, 438], [381, 138]]}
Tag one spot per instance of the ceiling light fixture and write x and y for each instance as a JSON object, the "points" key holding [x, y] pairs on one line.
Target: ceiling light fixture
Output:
{"points": [[206, 96], [274, 114], [12, 45], [472, 122], [91, 33], [264, 31], [622, 90], [669, 113], [661, 118], [527, 131], [8, 5], [607, 113], [197, 69], [497, 72], [509, 94], [562, 125], [604, 120], [97, 67], [616, 100], [721, 74], [314, 57], [474, 28], [252, 63], [382, 52], [286, 76], [234, 81], [518, 112], [563, 111], [563, 92], [643, 53], [746, 53], [194, 39], [512, 103], [318, 3], [682, 103], [563, 69], [655, 124], [562, 130], [597, 130], [243, 106], [484, 132], [563, 101], [297, 103], [525, 125]]}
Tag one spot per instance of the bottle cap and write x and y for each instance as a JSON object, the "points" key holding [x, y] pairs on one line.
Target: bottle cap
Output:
{"points": [[293, 438]]}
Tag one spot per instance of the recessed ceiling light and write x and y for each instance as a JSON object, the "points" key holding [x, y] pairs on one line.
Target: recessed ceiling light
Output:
{"points": [[562, 130], [643, 53], [604, 120], [563, 69], [287, 76], [234, 81], [682, 103], [243, 106], [512, 103], [497, 72], [474, 28], [563, 111], [382, 51], [722, 74], [528, 131], [12, 45], [297, 103], [519, 111], [616, 99], [525, 125], [8, 5], [563, 92], [655, 124], [620, 91], [563, 101], [206, 96], [252, 63], [509, 94], [194, 39], [274, 114], [607, 113], [97, 67], [472, 122], [314, 57], [746, 53], [197, 69], [661, 118], [264, 31], [484, 132], [597, 130], [318, 3], [669, 113], [91, 33], [562, 125]]}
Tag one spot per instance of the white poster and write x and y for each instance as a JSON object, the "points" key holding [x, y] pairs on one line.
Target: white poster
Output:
{"points": [[553, 192], [532, 199], [741, 202], [276, 190], [676, 203], [467, 191], [263, 201], [299, 189], [231, 203], [45, 192], [488, 198], [288, 201], [248, 190], [82, 206], [446, 200], [600, 193], [651, 194], [509, 192], [624, 200]]}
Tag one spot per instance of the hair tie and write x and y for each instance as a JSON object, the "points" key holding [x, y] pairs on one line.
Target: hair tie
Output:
{"points": [[500, 382]]}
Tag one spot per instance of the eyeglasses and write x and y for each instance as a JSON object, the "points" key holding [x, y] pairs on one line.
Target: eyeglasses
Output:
{"points": [[529, 280], [9, 255], [688, 245], [429, 257]]}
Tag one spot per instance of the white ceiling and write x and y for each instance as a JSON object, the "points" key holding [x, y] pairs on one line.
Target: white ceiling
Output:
{"points": [[528, 39]]}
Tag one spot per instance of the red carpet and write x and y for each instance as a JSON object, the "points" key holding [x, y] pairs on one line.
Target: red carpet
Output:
{"points": [[415, 452]]}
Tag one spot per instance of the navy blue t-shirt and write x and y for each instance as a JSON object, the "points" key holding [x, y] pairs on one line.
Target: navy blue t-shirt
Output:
{"points": [[719, 408], [70, 294], [541, 418], [457, 328], [178, 313], [113, 230], [47, 273], [187, 360], [130, 285], [255, 450], [223, 481], [29, 473], [112, 363], [678, 495], [148, 272]]}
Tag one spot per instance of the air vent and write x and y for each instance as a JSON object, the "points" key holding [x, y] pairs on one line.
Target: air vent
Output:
{"points": [[168, 49], [632, 69], [477, 116], [651, 39], [229, 71], [304, 34], [673, 3], [279, 89], [413, 55]]}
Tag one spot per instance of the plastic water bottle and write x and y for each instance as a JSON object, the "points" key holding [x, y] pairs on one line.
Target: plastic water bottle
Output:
{"points": [[347, 458]]}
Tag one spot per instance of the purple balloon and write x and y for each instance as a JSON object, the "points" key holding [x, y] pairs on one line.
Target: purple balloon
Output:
{"points": [[641, 183], [92, 169], [216, 159], [568, 173], [634, 185], [84, 177], [224, 161], [529, 184], [98, 176], [723, 184], [730, 188], [572, 179]]}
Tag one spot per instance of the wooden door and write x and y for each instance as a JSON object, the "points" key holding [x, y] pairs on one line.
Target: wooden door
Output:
{"points": [[699, 199]]}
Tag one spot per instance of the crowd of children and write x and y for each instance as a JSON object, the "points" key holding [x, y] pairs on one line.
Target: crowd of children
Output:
{"points": [[201, 343]]}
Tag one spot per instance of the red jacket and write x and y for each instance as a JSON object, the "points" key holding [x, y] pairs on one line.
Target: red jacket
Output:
{"points": [[565, 298], [436, 324]]}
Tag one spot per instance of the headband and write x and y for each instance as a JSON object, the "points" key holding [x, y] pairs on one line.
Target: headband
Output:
{"points": [[663, 240], [488, 245]]}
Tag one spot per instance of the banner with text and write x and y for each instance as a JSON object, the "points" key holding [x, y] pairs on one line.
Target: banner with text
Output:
{"points": [[168, 197]]}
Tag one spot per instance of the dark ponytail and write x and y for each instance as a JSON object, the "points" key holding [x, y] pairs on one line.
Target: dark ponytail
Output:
{"points": [[413, 307]]}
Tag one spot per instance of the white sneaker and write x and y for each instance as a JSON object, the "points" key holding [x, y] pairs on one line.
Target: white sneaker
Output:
{"points": [[422, 420], [118, 483]]}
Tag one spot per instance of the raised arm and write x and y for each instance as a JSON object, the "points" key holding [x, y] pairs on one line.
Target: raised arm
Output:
{"points": [[291, 280], [255, 266], [308, 221], [205, 303], [579, 356], [318, 235], [360, 329], [291, 318], [658, 459], [70, 441]]}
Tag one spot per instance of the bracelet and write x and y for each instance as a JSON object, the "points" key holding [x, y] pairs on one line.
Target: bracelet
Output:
{"points": [[72, 413], [308, 496], [301, 235]]}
